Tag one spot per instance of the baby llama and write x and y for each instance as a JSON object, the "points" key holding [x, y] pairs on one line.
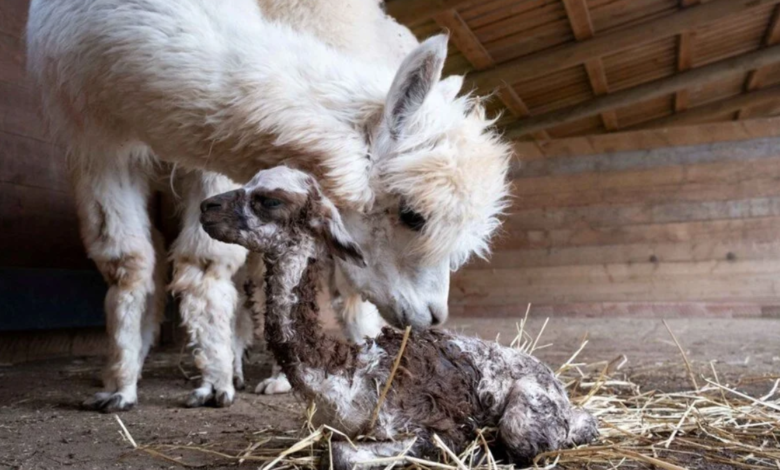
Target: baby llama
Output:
{"points": [[447, 385]]}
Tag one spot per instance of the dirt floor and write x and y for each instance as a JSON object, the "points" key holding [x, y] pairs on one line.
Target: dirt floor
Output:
{"points": [[42, 427]]}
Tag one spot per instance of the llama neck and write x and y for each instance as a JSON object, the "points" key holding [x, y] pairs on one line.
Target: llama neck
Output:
{"points": [[315, 109], [292, 328]]}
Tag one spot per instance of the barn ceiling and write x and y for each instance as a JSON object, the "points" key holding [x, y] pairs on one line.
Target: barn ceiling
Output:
{"points": [[562, 68]]}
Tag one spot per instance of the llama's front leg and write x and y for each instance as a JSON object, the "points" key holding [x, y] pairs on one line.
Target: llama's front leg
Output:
{"points": [[203, 281], [115, 226], [243, 336], [344, 456], [276, 384]]}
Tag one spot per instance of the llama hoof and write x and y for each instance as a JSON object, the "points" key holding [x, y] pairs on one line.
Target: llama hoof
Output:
{"points": [[274, 386], [238, 383], [207, 396], [200, 397], [108, 402], [224, 398]]}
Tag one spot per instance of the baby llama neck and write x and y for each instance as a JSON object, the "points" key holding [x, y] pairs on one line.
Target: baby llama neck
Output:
{"points": [[292, 328]]}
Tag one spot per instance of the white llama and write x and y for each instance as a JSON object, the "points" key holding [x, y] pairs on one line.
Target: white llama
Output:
{"points": [[216, 86], [448, 385]]}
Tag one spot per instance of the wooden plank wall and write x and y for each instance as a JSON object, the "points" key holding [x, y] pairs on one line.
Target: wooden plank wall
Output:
{"points": [[593, 231], [38, 225]]}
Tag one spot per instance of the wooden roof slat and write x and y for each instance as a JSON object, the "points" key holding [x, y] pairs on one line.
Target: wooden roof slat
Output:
{"points": [[684, 60], [701, 113], [464, 39], [570, 55], [581, 25], [684, 63], [757, 77], [695, 77], [413, 12], [468, 44]]}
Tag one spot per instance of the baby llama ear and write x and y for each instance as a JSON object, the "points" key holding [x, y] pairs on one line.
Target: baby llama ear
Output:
{"points": [[415, 79], [328, 226]]}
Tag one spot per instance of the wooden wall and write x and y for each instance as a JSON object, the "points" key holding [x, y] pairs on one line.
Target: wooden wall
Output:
{"points": [[38, 226], [629, 223], [46, 280]]}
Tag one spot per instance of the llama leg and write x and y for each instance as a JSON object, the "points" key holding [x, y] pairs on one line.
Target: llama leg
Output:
{"points": [[243, 334], [202, 279], [343, 456], [155, 310], [534, 421], [276, 384], [111, 196], [583, 428]]}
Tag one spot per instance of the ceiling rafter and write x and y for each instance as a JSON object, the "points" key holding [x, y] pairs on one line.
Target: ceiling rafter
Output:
{"points": [[756, 78], [685, 50], [696, 77], [582, 26], [713, 109], [473, 50], [546, 62]]}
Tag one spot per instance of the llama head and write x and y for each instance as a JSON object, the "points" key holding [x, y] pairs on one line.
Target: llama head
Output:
{"points": [[279, 211], [437, 174]]}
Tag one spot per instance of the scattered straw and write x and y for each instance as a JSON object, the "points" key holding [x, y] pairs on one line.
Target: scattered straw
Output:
{"points": [[714, 425], [691, 375], [386, 389]]}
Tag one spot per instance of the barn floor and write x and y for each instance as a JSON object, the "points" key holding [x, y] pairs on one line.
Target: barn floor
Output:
{"points": [[41, 426]]}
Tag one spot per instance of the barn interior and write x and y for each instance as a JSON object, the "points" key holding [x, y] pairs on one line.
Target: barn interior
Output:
{"points": [[644, 220]]}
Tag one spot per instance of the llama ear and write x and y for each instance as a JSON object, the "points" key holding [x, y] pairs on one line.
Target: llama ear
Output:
{"points": [[450, 86], [329, 227], [418, 73]]}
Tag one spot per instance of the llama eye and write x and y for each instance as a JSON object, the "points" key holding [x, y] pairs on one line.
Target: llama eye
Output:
{"points": [[413, 220], [269, 202]]}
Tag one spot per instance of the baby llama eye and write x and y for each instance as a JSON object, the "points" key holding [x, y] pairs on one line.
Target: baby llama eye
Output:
{"points": [[269, 202]]}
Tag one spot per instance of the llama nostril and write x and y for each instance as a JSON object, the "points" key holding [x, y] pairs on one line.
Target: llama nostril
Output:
{"points": [[437, 316], [209, 204]]}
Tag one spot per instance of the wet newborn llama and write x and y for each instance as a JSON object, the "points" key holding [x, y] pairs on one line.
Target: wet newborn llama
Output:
{"points": [[447, 385]]}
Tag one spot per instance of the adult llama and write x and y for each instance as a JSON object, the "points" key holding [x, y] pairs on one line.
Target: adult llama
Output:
{"points": [[415, 170]]}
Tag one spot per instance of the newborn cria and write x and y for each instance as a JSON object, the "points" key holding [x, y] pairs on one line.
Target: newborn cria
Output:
{"points": [[448, 385]]}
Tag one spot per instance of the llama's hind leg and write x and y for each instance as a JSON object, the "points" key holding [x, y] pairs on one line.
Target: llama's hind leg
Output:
{"points": [[535, 420], [155, 310], [203, 281], [365, 455], [111, 192]]}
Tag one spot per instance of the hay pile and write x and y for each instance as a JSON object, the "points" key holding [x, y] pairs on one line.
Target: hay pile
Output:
{"points": [[712, 425]]}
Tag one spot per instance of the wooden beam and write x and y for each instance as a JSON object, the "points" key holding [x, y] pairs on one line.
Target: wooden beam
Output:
{"points": [[519, 109], [756, 78], [701, 113], [684, 63], [473, 50], [573, 54], [413, 12], [531, 153], [699, 76], [582, 26], [464, 39]]}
